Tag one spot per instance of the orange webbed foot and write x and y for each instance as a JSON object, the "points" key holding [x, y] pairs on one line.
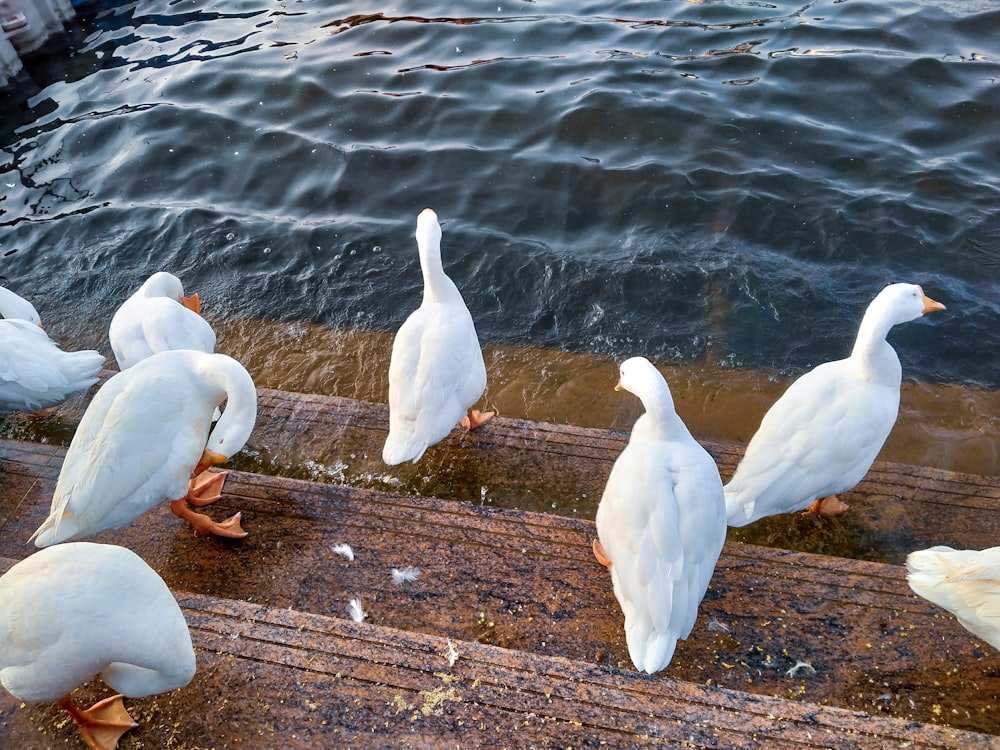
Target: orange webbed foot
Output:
{"points": [[103, 724], [230, 528], [827, 507], [475, 419], [206, 488], [600, 554]]}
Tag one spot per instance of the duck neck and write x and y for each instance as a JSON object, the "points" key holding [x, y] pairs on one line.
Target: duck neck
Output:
{"points": [[437, 286], [660, 420], [872, 355], [233, 429]]}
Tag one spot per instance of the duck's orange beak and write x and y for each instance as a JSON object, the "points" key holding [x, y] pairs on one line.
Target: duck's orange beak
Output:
{"points": [[192, 303], [618, 385], [208, 458], [929, 304]]}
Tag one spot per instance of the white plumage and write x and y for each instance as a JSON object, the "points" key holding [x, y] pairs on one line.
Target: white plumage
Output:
{"points": [[436, 372], [13, 306], [144, 433], [356, 611], [661, 522], [823, 434], [157, 318], [34, 372], [964, 582], [78, 610], [344, 550], [402, 576]]}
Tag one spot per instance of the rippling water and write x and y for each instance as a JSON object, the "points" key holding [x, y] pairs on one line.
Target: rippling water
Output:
{"points": [[700, 182]]}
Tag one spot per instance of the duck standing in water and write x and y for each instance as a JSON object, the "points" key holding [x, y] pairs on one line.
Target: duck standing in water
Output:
{"points": [[436, 371], [158, 318], [821, 437]]}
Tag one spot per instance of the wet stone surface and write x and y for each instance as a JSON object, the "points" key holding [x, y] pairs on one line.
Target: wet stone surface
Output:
{"points": [[811, 629]]}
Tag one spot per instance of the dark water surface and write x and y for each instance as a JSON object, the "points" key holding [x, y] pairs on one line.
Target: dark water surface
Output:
{"points": [[720, 185]]}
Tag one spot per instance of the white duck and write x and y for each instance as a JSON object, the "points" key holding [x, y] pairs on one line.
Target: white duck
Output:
{"points": [[78, 610], [14, 306], [34, 372], [964, 582], [143, 437], [157, 318], [661, 522], [436, 372], [823, 434]]}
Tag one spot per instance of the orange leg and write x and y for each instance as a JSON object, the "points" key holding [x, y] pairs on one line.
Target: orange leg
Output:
{"points": [[206, 487], [476, 418], [103, 724], [600, 554], [827, 507], [204, 525]]}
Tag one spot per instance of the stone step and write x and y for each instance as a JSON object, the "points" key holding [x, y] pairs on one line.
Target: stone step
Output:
{"points": [[809, 630], [521, 464], [277, 677]]}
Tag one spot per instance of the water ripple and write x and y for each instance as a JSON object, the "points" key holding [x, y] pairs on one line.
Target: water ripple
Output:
{"points": [[725, 181]]}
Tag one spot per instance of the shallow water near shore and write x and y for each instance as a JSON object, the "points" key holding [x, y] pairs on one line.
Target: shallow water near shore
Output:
{"points": [[939, 425], [945, 426]]}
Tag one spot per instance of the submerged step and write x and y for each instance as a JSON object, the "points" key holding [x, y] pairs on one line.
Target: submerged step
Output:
{"points": [[562, 469]]}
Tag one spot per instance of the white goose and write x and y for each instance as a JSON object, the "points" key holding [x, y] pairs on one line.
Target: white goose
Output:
{"points": [[964, 582], [661, 522], [34, 372], [821, 437], [78, 610], [157, 318], [436, 372], [143, 437]]}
